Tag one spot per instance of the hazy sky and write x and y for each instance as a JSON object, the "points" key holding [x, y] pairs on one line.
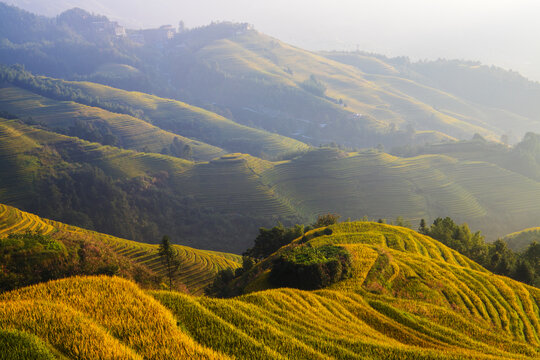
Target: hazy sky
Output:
{"points": [[501, 32]]}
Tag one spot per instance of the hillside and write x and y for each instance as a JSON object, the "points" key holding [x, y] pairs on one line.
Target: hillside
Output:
{"points": [[99, 125], [71, 180], [134, 194], [409, 297], [142, 122], [197, 267]]}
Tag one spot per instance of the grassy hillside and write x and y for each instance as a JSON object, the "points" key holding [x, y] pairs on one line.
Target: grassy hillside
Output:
{"points": [[197, 267], [94, 124], [410, 297]]}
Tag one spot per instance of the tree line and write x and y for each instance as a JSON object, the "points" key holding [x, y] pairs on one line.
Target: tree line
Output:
{"points": [[497, 257]]}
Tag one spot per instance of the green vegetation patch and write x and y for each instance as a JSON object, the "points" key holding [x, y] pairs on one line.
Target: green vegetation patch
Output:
{"points": [[308, 268], [18, 345]]}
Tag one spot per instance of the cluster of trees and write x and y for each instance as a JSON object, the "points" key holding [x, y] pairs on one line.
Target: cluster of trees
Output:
{"points": [[178, 149], [30, 258], [497, 257], [309, 268], [314, 86]]}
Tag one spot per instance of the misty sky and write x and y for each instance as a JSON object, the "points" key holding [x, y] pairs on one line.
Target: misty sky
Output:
{"points": [[500, 32]]}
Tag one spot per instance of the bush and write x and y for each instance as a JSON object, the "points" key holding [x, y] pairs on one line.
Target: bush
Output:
{"points": [[308, 268]]}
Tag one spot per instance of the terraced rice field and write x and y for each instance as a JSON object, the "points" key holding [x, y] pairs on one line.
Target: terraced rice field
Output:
{"points": [[233, 184], [410, 297], [193, 122], [379, 185], [13, 220], [197, 267], [132, 133]]}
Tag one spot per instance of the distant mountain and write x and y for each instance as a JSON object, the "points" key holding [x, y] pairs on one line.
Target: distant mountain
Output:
{"points": [[352, 99]]}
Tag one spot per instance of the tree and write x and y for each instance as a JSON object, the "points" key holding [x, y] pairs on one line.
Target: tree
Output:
{"points": [[326, 220], [169, 258], [422, 229]]}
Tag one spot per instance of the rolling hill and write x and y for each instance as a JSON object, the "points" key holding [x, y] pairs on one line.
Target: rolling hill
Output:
{"points": [[197, 267], [239, 191], [409, 297], [74, 118], [148, 122]]}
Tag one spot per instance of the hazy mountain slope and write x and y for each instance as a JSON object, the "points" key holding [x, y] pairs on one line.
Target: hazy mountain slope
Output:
{"points": [[379, 185], [354, 99], [501, 101], [197, 267], [253, 64], [519, 240], [197, 123], [412, 298], [91, 122], [177, 117]]}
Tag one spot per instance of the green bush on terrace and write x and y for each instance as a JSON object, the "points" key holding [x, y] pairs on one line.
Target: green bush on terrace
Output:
{"points": [[308, 268]]}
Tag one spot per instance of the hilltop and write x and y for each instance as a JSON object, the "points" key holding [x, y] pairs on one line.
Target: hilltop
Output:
{"points": [[408, 297]]}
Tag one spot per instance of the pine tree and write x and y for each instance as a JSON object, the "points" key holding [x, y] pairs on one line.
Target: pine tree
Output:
{"points": [[169, 258]]}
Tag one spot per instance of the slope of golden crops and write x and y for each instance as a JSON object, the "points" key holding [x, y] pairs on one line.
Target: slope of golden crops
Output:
{"points": [[410, 297]]}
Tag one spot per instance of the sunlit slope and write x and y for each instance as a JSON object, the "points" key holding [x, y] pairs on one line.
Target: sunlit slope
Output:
{"points": [[132, 133], [197, 267], [256, 64], [410, 297], [13, 220], [521, 239], [379, 185], [197, 123], [99, 317]]}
